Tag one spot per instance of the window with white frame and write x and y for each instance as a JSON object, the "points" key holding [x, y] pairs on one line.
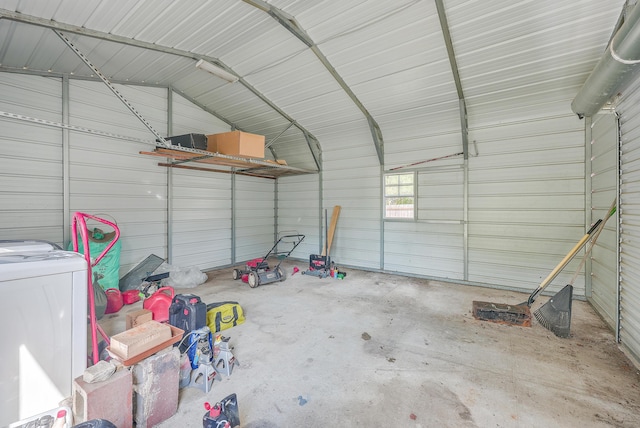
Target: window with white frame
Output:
{"points": [[400, 196]]}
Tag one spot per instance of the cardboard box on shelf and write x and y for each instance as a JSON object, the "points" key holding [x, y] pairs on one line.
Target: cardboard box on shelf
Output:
{"points": [[212, 143], [139, 339], [237, 143]]}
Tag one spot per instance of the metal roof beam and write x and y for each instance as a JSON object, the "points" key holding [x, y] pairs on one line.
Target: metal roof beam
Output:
{"points": [[74, 29], [464, 124], [290, 23]]}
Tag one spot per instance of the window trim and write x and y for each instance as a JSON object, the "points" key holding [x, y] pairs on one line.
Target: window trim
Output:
{"points": [[414, 196]]}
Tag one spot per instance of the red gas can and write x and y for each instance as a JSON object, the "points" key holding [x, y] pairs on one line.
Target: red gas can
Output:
{"points": [[130, 296], [114, 300], [158, 303]]}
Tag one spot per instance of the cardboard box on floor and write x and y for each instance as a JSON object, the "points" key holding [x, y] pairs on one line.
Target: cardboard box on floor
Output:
{"points": [[136, 318], [237, 143], [138, 339]]}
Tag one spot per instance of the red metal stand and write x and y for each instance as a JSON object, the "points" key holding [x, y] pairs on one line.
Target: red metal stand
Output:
{"points": [[79, 220]]}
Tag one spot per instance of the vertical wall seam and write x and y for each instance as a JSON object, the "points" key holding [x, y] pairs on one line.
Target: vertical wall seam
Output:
{"points": [[275, 211], [66, 164], [618, 218], [382, 212], [588, 211], [169, 180], [233, 216], [465, 226]]}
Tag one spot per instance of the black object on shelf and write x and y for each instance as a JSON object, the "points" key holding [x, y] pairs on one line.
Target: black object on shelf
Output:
{"points": [[189, 141]]}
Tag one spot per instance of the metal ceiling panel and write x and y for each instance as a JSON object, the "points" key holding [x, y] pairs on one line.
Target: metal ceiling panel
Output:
{"points": [[219, 30], [35, 8], [234, 99], [304, 87], [299, 78], [510, 54], [397, 65], [108, 14], [509, 50], [18, 55], [198, 82], [76, 13], [140, 16], [403, 52], [171, 22], [332, 18], [274, 46]]}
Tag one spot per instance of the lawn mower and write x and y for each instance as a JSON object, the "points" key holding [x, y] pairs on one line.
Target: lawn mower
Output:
{"points": [[258, 272]]}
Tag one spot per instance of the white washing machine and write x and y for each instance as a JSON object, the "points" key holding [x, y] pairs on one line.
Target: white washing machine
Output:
{"points": [[43, 326]]}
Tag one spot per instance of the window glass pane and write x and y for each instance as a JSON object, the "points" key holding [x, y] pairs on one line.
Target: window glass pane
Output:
{"points": [[406, 190], [406, 179], [399, 192], [391, 179]]}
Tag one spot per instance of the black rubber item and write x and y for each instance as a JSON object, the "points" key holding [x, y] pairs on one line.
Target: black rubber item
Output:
{"points": [[555, 315]]}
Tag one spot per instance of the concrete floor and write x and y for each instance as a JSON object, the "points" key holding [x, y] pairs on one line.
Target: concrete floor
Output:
{"points": [[377, 350]]}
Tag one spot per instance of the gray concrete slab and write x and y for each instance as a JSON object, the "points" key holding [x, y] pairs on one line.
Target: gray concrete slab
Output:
{"points": [[377, 350]]}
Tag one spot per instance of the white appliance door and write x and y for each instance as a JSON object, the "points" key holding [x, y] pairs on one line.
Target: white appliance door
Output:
{"points": [[43, 332]]}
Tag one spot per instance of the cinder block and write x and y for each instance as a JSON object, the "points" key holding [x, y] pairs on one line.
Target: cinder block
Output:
{"points": [[156, 387], [110, 399]]}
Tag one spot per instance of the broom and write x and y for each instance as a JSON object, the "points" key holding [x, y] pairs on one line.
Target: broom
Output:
{"points": [[555, 315]]}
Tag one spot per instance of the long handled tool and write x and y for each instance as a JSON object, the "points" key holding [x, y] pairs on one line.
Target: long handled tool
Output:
{"points": [[555, 315], [521, 314]]}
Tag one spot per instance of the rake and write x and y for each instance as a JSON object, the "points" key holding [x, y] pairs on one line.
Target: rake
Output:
{"points": [[554, 315]]}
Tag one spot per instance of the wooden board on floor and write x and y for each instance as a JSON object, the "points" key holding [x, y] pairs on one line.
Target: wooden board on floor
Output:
{"points": [[332, 229]]}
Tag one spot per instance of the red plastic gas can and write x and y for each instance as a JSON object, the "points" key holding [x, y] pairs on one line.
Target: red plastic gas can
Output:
{"points": [[114, 300], [158, 303], [130, 296]]}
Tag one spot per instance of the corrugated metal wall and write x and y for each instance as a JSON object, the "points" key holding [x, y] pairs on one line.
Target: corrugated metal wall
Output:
{"points": [[108, 176], [356, 187], [254, 217], [602, 290], [201, 201], [31, 160], [433, 244], [629, 212], [526, 195], [298, 208]]}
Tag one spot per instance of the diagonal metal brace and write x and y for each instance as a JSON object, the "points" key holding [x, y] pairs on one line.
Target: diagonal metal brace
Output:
{"points": [[106, 81]]}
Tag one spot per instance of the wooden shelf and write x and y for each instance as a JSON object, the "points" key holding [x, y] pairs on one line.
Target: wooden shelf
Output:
{"points": [[185, 158]]}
